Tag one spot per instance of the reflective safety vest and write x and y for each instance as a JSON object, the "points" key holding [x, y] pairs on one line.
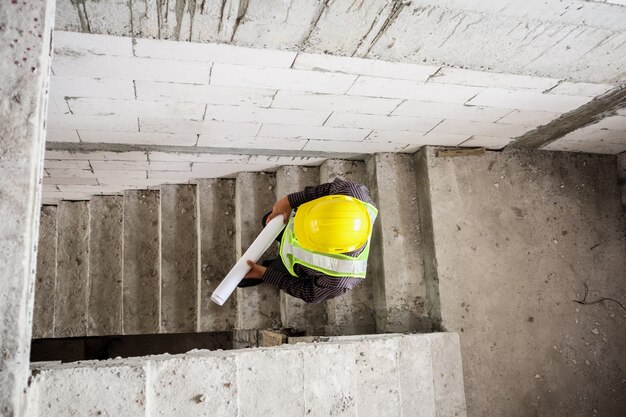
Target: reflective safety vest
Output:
{"points": [[334, 265]]}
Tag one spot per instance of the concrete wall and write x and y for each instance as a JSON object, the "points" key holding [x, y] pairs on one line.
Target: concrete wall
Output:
{"points": [[515, 237], [400, 375], [25, 47]]}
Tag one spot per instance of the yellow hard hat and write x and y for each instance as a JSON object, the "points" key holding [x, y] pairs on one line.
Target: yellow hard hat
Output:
{"points": [[332, 224]]}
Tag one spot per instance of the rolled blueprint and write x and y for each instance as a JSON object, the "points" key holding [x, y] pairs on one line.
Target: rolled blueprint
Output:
{"points": [[254, 252]]}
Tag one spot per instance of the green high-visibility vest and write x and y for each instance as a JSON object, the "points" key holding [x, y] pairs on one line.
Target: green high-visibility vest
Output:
{"points": [[334, 265]]}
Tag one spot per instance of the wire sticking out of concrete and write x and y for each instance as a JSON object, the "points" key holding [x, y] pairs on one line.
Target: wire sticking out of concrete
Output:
{"points": [[585, 302]]}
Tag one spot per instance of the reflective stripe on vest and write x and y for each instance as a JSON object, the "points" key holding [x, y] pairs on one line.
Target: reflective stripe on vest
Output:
{"points": [[338, 265]]}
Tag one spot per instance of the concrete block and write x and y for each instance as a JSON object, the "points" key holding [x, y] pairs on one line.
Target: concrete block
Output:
{"points": [[447, 371], [45, 283], [132, 68], [213, 52], [135, 108], [70, 180], [377, 378], [139, 166], [268, 338], [196, 157], [459, 127], [569, 88], [437, 110], [405, 137], [342, 103], [83, 121], [365, 147], [97, 155], [86, 44], [444, 139], [71, 291], [353, 312], [396, 266], [104, 314], [106, 175], [488, 142], [197, 93], [415, 374], [527, 100], [70, 173], [209, 128], [138, 138], [216, 219], [142, 267], [313, 132], [490, 79], [529, 118], [245, 114], [57, 105], [280, 79], [257, 307], [275, 160], [386, 87], [198, 386], [91, 87], [414, 124], [248, 143], [335, 365], [62, 135], [109, 389], [360, 66], [262, 374], [294, 312], [179, 259]]}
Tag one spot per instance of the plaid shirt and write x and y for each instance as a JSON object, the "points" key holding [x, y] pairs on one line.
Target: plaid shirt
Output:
{"points": [[310, 285]]}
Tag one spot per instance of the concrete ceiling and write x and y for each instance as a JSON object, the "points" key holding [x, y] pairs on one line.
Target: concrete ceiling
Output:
{"points": [[129, 112]]}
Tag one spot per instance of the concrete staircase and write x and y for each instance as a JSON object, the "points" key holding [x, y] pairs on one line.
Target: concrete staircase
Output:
{"points": [[147, 261]]}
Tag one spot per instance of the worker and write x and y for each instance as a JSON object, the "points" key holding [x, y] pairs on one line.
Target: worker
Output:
{"points": [[325, 245]]}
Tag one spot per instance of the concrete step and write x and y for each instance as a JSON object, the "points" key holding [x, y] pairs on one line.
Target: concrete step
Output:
{"points": [[45, 283], [104, 312], [70, 304], [385, 375], [257, 307], [179, 259], [353, 312], [396, 265], [216, 218], [295, 313], [142, 265]]}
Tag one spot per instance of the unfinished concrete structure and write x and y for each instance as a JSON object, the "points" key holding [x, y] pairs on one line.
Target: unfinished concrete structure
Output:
{"points": [[165, 147]]}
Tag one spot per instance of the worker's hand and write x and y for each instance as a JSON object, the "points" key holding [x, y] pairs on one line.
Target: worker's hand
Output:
{"points": [[256, 270], [283, 207]]}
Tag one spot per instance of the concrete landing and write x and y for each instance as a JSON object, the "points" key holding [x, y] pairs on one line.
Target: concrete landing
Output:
{"points": [[390, 375]]}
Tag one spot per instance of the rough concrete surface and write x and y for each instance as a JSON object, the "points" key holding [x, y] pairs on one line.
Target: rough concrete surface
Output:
{"points": [[621, 173], [43, 314], [536, 37], [25, 44], [104, 312], [396, 264], [517, 235], [353, 312], [142, 266], [257, 307], [179, 259], [71, 291], [216, 217], [295, 313]]}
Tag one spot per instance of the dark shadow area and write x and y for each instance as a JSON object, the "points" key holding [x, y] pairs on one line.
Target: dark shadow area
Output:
{"points": [[107, 347]]}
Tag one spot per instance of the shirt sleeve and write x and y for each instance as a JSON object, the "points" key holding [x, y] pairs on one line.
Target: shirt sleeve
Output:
{"points": [[338, 186], [305, 289]]}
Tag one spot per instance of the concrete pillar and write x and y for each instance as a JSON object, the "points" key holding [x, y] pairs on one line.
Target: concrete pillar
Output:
{"points": [[104, 315], [295, 313], [179, 259], [43, 314], [257, 307], [25, 32], [141, 265], [353, 312], [216, 219], [396, 265], [70, 305]]}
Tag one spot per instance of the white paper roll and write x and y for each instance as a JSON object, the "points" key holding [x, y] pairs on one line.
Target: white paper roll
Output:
{"points": [[254, 252]]}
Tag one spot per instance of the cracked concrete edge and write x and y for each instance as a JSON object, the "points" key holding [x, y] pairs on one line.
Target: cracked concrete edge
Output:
{"points": [[597, 109], [22, 117]]}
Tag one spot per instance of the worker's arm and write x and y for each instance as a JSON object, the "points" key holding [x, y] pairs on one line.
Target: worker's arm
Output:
{"points": [[310, 290]]}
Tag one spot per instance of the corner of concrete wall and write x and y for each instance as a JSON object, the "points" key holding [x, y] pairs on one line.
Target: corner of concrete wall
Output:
{"points": [[422, 158]]}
